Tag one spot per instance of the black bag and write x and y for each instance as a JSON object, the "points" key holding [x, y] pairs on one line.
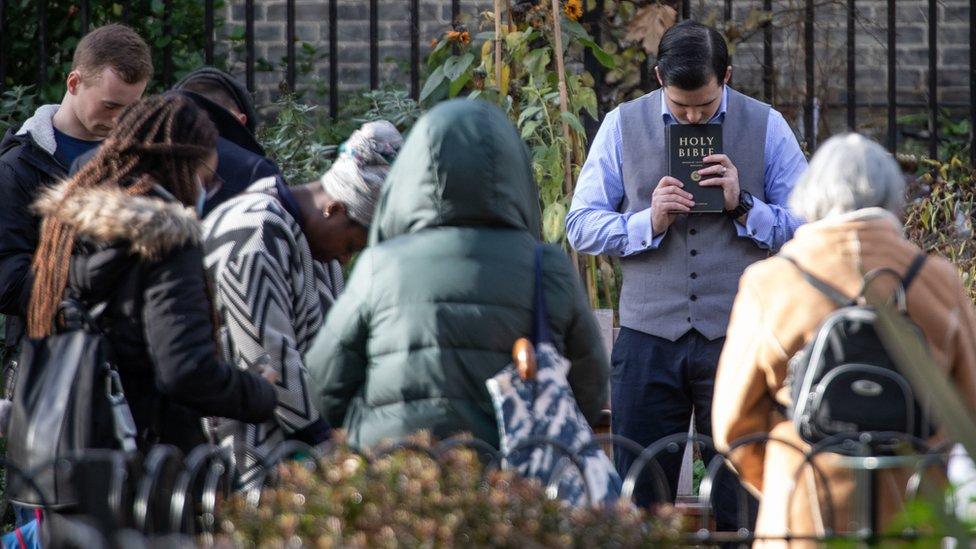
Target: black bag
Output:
{"points": [[844, 383], [68, 398]]}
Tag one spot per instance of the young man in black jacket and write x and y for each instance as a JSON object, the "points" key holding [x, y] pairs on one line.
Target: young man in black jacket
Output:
{"points": [[110, 70]]}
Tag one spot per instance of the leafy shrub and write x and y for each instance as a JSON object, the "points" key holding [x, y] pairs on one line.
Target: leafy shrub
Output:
{"points": [[303, 140], [16, 105], [406, 499], [940, 212], [953, 134], [64, 31], [298, 141]]}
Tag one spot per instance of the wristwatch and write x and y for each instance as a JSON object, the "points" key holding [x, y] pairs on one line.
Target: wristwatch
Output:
{"points": [[745, 204]]}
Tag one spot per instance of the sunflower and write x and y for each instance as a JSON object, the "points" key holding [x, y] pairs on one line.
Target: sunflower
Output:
{"points": [[574, 9], [462, 37]]}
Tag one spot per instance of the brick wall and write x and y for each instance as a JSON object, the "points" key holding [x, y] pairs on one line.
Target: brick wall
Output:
{"points": [[912, 36], [312, 26]]}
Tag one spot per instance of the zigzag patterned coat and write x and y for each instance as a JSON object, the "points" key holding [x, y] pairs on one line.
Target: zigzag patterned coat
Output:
{"points": [[272, 297]]}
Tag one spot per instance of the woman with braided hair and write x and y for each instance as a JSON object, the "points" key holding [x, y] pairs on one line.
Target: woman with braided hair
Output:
{"points": [[124, 232]]}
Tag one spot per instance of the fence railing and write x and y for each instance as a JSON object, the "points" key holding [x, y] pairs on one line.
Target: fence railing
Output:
{"points": [[164, 493], [850, 103]]}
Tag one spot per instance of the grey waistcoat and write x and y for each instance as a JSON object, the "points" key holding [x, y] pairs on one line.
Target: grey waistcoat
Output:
{"points": [[690, 281]]}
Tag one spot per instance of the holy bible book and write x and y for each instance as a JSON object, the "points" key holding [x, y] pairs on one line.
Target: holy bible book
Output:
{"points": [[688, 144]]}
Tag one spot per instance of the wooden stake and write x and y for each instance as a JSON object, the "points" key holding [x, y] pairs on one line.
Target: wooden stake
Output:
{"points": [[563, 95], [498, 50], [557, 30]]}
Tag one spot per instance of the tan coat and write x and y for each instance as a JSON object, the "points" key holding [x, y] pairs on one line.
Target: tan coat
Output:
{"points": [[776, 313]]}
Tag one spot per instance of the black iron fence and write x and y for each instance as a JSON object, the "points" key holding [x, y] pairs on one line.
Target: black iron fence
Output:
{"points": [[851, 103]]}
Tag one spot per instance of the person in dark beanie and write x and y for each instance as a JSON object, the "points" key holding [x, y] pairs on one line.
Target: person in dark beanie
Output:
{"points": [[224, 90], [681, 270], [242, 160], [109, 71]]}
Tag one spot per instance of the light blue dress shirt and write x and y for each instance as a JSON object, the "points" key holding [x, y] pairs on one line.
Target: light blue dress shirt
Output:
{"points": [[594, 224]]}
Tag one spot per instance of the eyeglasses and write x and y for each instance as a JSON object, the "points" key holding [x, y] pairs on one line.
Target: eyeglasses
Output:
{"points": [[214, 185]]}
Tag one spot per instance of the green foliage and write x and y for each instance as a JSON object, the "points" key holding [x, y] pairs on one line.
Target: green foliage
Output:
{"points": [[953, 134], [64, 31], [389, 104], [940, 212], [16, 105], [299, 141], [698, 472], [303, 141], [406, 499]]}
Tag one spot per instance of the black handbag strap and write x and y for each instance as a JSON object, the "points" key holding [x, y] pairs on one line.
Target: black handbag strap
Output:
{"points": [[832, 293], [540, 316], [913, 270], [838, 297]]}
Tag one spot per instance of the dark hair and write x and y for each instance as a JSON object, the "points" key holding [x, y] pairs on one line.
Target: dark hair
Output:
{"points": [[161, 139], [117, 47], [690, 54]]}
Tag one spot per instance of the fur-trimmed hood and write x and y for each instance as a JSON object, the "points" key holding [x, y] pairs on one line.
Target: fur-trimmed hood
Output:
{"points": [[152, 225]]}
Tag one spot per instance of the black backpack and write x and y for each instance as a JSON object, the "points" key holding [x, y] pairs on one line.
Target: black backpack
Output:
{"points": [[843, 383], [68, 398]]}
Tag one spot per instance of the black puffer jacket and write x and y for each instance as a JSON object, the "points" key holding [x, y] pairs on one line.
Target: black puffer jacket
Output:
{"points": [[143, 256], [27, 166]]}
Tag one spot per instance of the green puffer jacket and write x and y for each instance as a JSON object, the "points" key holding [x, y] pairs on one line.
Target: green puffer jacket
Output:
{"points": [[436, 302]]}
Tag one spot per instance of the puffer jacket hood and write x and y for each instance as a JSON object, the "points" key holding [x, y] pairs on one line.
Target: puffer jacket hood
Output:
{"points": [[463, 165], [149, 226]]}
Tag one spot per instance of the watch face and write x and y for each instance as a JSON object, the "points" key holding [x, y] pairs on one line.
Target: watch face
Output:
{"points": [[746, 199]]}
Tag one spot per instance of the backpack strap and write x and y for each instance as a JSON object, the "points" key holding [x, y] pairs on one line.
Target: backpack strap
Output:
{"points": [[832, 293], [540, 316], [913, 270]]}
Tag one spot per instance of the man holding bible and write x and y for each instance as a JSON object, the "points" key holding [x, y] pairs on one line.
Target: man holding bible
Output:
{"points": [[681, 269]]}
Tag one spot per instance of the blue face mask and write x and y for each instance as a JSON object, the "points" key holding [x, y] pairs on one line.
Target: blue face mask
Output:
{"points": [[201, 198]]}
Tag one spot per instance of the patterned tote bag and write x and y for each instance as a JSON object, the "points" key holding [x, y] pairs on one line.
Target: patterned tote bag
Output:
{"points": [[539, 420]]}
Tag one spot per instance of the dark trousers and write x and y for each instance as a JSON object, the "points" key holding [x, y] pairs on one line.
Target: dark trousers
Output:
{"points": [[656, 385]]}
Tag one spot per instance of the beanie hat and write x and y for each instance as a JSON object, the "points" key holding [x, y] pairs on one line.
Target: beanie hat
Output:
{"points": [[231, 85]]}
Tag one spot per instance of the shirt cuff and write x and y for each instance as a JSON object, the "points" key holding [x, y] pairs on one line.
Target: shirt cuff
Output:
{"points": [[759, 223], [640, 234]]}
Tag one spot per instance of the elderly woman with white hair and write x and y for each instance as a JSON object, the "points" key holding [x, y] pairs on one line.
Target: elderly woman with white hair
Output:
{"points": [[852, 196], [275, 254]]}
